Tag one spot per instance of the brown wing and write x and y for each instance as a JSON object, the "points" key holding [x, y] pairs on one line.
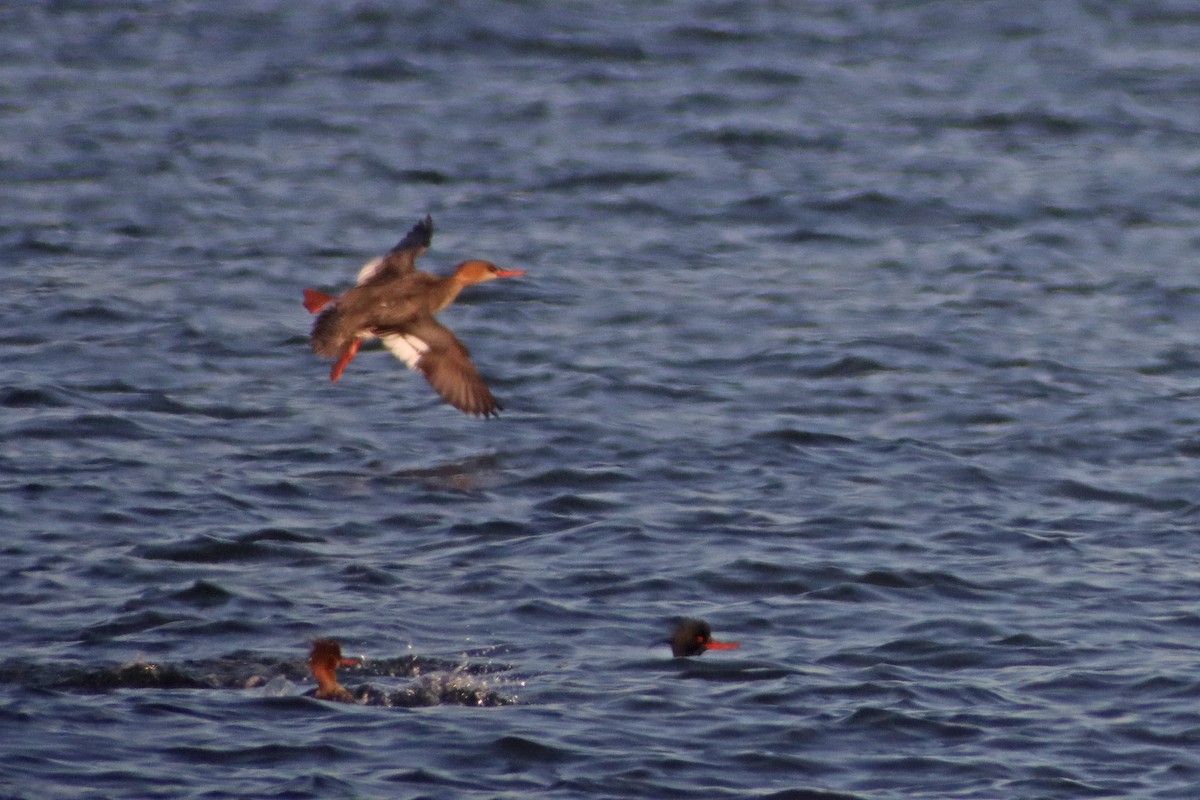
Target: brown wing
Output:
{"points": [[401, 259], [447, 366]]}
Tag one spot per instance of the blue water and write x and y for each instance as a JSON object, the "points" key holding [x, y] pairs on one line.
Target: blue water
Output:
{"points": [[866, 331]]}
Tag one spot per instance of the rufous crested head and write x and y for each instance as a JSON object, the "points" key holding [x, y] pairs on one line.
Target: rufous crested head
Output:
{"points": [[476, 271], [327, 655], [323, 661]]}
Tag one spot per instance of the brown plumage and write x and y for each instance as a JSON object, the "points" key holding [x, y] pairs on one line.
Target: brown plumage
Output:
{"points": [[396, 302], [323, 661]]}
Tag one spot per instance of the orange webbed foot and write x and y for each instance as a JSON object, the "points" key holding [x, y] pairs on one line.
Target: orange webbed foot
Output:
{"points": [[347, 355], [314, 301]]}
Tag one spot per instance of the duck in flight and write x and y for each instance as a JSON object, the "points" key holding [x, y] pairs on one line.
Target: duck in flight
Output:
{"points": [[396, 302]]}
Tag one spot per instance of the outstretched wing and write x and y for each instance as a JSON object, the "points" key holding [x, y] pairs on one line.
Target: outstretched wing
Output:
{"points": [[401, 259], [444, 361]]}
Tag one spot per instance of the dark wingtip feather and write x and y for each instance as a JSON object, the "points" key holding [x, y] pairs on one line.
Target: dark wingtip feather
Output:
{"points": [[485, 411], [420, 236]]}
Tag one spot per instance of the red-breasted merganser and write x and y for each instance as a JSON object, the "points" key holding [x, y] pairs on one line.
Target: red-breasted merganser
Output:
{"points": [[323, 661], [693, 637], [396, 302]]}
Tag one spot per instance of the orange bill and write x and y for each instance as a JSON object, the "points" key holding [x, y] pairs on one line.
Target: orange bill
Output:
{"points": [[714, 645]]}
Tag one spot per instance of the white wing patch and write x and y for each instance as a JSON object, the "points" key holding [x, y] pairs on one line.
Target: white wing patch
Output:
{"points": [[406, 347], [369, 269]]}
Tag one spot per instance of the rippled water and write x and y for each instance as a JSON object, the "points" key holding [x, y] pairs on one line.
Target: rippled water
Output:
{"points": [[865, 331]]}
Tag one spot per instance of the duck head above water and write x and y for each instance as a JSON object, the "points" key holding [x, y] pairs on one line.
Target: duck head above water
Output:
{"points": [[693, 636], [323, 662]]}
